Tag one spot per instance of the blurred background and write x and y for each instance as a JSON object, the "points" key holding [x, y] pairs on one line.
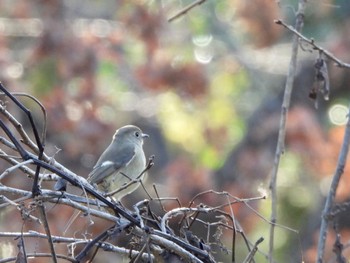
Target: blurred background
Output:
{"points": [[207, 88]]}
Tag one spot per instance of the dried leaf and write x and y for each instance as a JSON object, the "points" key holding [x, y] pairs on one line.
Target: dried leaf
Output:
{"points": [[313, 94], [322, 77], [321, 81]]}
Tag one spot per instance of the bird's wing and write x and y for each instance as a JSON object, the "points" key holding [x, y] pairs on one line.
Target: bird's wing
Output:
{"points": [[110, 162]]}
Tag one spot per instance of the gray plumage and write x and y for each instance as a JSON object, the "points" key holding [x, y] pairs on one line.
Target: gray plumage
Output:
{"points": [[122, 161]]}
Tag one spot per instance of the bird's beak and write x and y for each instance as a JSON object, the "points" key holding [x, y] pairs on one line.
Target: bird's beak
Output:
{"points": [[144, 135]]}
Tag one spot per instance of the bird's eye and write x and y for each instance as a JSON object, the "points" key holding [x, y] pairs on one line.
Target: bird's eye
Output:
{"points": [[137, 134]]}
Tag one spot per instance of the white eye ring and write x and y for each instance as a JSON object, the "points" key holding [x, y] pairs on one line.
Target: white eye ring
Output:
{"points": [[137, 134]]}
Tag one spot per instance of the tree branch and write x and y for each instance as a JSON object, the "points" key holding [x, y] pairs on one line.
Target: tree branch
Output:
{"points": [[332, 191], [282, 126], [312, 43]]}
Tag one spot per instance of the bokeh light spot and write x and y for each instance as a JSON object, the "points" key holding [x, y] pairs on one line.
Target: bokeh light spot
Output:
{"points": [[202, 40], [338, 114], [15, 70], [74, 111], [203, 55]]}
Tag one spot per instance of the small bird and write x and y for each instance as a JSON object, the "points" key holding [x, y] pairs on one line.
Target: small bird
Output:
{"points": [[122, 162]]}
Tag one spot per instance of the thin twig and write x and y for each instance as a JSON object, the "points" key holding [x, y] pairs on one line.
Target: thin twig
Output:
{"points": [[43, 134], [21, 254], [338, 246], [185, 10], [35, 234], [20, 208], [171, 246], [137, 210], [251, 254], [57, 198], [27, 141], [47, 230], [101, 237], [11, 169], [35, 188], [59, 239], [314, 46], [270, 222], [30, 173], [282, 126], [234, 230], [141, 252], [181, 210], [224, 193], [188, 247], [38, 255], [19, 127], [331, 195]]}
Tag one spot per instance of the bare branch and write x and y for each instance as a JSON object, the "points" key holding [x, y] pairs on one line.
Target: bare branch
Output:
{"points": [[25, 214], [312, 43], [59, 239], [151, 235], [11, 169], [178, 211], [250, 256], [171, 246], [282, 126], [38, 255], [331, 195], [47, 230], [185, 10]]}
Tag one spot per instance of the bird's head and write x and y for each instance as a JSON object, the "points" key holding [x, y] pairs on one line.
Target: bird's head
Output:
{"points": [[131, 133]]}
